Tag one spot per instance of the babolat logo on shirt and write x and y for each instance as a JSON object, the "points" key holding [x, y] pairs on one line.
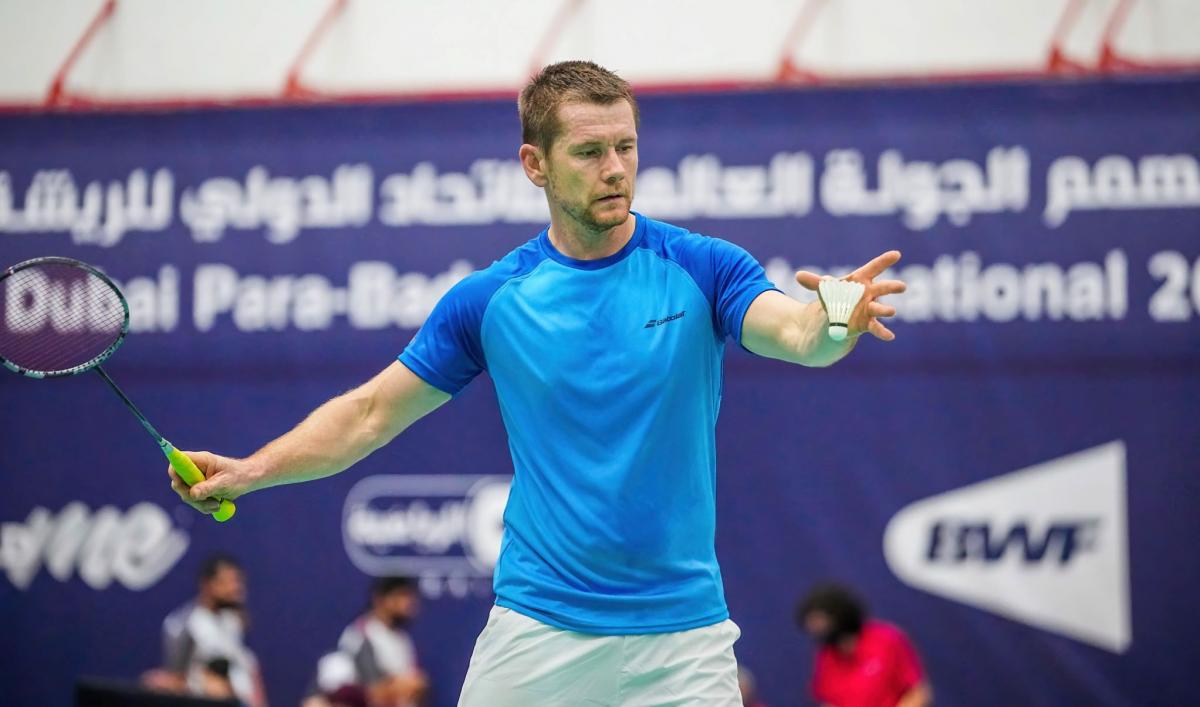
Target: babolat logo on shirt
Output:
{"points": [[659, 322], [1046, 545], [443, 526]]}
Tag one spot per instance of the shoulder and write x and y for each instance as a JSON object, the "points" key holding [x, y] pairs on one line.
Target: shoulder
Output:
{"points": [[689, 249], [886, 634], [353, 636], [177, 621], [671, 241], [477, 289]]}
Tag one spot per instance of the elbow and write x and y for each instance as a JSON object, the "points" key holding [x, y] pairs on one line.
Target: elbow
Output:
{"points": [[371, 423]]}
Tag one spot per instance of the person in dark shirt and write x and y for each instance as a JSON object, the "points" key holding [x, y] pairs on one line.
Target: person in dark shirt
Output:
{"points": [[375, 656], [204, 652]]}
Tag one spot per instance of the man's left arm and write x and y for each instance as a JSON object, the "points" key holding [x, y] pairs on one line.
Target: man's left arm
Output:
{"points": [[777, 326]]}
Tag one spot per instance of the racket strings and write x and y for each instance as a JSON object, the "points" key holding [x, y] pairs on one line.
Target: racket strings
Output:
{"points": [[57, 317]]}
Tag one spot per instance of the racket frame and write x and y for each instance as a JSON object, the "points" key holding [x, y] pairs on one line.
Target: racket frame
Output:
{"points": [[94, 362], [183, 466]]}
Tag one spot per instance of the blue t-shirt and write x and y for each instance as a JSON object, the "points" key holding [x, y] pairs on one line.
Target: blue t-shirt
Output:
{"points": [[608, 374]]}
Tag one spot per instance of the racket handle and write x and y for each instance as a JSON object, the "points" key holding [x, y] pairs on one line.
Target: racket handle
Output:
{"points": [[191, 475]]}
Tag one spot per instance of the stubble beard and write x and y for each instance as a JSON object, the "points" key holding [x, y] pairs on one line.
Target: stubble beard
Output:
{"points": [[584, 215]]}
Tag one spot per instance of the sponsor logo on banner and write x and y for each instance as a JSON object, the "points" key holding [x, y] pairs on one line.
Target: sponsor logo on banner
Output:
{"points": [[444, 528], [134, 548], [1047, 546]]}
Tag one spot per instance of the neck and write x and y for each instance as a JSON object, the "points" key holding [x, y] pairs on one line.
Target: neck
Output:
{"points": [[848, 644], [575, 241]]}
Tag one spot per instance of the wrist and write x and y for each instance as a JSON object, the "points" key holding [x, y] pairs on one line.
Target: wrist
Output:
{"points": [[256, 472]]}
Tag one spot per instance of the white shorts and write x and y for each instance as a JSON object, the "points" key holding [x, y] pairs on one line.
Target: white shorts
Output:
{"points": [[522, 662]]}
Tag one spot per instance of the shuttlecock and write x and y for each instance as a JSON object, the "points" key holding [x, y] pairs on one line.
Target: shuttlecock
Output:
{"points": [[840, 298]]}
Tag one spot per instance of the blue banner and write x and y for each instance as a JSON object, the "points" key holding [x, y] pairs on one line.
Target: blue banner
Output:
{"points": [[1013, 481]]}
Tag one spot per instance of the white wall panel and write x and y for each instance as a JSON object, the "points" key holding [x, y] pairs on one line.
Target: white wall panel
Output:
{"points": [[185, 48], [226, 49], [35, 37]]}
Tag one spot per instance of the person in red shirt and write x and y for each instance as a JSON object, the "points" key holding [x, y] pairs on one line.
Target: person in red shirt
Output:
{"points": [[862, 662]]}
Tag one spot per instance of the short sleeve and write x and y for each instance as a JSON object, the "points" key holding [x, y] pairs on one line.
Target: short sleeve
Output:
{"points": [[367, 666], [907, 666], [738, 279], [447, 351], [178, 644]]}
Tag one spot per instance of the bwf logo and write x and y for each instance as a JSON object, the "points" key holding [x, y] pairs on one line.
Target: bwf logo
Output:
{"points": [[955, 541], [1046, 545]]}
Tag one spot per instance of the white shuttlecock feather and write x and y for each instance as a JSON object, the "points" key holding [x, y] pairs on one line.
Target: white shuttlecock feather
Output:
{"points": [[840, 298]]}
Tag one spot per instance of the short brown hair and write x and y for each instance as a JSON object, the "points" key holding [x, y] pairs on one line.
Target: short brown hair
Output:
{"points": [[566, 82]]}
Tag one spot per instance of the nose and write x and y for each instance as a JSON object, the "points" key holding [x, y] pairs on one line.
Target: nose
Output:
{"points": [[613, 168]]}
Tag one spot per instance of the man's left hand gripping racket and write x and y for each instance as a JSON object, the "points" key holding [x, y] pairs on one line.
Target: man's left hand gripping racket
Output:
{"points": [[62, 317]]}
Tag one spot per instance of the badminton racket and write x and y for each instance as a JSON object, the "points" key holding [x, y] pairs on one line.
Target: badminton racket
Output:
{"points": [[62, 317]]}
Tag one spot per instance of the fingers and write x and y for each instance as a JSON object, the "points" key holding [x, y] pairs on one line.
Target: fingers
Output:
{"points": [[887, 287], [204, 497], [872, 269], [865, 274], [878, 309], [177, 485], [808, 280], [879, 331], [204, 505]]}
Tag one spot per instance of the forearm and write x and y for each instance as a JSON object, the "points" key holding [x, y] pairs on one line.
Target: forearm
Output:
{"points": [[779, 327], [345, 429], [813, 346], [332, 438]]}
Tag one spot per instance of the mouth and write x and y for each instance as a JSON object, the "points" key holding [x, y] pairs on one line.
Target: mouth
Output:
{"points": [[610, 198]]}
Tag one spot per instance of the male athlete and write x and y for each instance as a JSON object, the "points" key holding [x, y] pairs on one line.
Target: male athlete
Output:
{"points": [[604, 336]]}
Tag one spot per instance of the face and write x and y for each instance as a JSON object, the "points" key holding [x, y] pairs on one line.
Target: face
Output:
{"points": [[590, 169], [819, 626], [227, 588], [400, 606]]}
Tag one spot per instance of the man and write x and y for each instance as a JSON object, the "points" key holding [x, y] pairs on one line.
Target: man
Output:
{"points": [[203, 649], [862, 662], [382, 654], [604, 337]]}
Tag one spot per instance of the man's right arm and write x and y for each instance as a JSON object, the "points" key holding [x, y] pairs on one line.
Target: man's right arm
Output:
{"points": [[332, 438]]}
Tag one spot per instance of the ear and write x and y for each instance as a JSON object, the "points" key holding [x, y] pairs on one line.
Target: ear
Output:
{"points": [[534, 164]]}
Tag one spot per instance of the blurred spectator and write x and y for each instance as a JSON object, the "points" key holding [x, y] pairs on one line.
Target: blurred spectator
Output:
{"points": [[375, 663], [203, 649], [861, 662], [748, 688], [337, 683]]}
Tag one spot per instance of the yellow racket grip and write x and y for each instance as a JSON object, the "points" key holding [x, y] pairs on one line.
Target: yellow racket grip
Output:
{"points": [[191, 475]]}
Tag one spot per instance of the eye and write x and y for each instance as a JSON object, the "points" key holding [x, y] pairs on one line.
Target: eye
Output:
{"points": [[625, 148]]}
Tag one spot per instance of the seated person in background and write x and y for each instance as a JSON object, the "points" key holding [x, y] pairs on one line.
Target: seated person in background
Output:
{"points": [[861, 662], [380, 650], [203, 649], [336, 684]]}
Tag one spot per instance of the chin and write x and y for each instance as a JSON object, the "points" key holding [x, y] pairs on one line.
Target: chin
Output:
{"points": [[611, 217]]}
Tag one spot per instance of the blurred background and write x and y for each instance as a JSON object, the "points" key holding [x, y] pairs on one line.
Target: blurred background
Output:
{"points": [[284, 188]]}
